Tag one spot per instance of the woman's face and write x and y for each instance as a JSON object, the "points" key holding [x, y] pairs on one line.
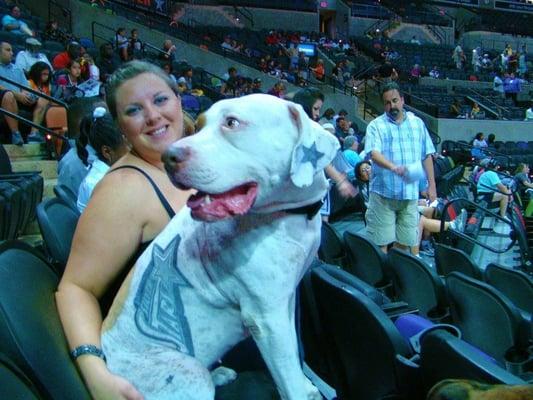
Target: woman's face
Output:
{"points": [[75, 70], [364, 172], [149, 115], [315, 110], [45, 76]]}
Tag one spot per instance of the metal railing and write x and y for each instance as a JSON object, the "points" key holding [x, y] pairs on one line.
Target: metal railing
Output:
{"points": [[26, 121], [34, 92], [95, 35], [244, 13], [471, 239]]}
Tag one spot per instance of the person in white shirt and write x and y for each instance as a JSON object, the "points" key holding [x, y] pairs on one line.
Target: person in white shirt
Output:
{"points": [[529, 114], [26, 58], [497, 85], [109, 145]]}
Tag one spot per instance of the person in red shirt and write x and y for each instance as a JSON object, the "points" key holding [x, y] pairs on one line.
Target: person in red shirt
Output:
{"points": [[63, 59]]}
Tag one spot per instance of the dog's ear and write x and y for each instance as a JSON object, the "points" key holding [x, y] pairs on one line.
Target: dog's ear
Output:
{"points": [[314, 150]]}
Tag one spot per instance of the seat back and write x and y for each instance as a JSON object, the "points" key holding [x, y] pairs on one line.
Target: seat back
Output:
{"points": [[57, 222], [67, 196], [449, 259], [14, 384], [55, 118], [417, 284], [331, 249], [31, 334], [517, 286], [362, 342], [16, 203], [444, 356], [486, 318], [365, 259]]}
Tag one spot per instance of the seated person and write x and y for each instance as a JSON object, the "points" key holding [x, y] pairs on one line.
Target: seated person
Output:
{"points": [[109, 144], [72, 52], [343, 129], [107, 61], [12, 23], [521, 175], [70, 80], [428, 225], [491, 189], [455, 109], [56, 34], [478, 144], [476, 112], [26, 58], [168, 52], [363, 172], [350, 147], [24, 99]]}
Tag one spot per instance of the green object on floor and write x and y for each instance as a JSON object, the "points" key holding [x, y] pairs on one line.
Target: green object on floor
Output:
{"points": [[529, 209]]}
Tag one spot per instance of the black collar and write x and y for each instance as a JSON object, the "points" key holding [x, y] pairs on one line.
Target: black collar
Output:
{"points": [[310, 210]]}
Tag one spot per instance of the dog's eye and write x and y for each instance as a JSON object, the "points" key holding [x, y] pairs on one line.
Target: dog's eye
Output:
{"points": [[232, 122]]}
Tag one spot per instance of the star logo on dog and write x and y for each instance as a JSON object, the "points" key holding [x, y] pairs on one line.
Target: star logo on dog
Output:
{"points": [[311, 154], [159, 308]]}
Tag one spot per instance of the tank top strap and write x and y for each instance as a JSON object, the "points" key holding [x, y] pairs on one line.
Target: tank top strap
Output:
{"points": [[162, 199]]}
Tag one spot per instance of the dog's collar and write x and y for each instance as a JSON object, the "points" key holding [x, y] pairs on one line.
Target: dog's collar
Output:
{"points": [[310, 210]]}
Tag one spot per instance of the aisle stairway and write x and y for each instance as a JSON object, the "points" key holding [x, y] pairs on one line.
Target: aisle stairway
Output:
{"points": [[32, 157]]}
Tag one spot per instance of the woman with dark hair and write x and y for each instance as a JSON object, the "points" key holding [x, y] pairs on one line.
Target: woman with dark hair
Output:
{"points": [[312, 99], [479, 144], [40, 76], [109, 144]]}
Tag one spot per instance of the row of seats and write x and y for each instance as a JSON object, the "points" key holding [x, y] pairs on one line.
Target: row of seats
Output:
{"points": [[410, 279], [349, 336]]}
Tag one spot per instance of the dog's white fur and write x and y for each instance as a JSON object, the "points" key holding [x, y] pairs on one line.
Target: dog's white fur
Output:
{"points": [[234, 276]]}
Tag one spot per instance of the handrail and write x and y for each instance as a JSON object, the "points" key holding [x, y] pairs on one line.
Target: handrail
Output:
{"points": [[94, 35], [485, 107], [32, 124], [152, 47], [65, 12], [470, 238], [35, 92], [500, 108], [245, 13]]}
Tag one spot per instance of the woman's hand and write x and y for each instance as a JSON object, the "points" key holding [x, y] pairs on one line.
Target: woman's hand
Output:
{"points": [[104, 385]]}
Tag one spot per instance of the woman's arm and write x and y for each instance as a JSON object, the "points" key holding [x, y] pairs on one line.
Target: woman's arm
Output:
{"points": [[108, 234]]}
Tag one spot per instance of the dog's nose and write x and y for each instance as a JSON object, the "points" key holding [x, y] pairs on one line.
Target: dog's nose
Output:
{"points": [[174, 156]]}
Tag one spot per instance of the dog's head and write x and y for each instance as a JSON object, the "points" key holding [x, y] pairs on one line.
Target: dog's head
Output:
{"points": [[256, 153]]}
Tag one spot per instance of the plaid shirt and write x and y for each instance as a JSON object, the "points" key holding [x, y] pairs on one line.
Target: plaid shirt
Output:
{"points": [[402, 144]]}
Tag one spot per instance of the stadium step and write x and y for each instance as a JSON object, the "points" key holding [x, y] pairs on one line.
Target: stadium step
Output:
{"points": [[47, 168], [33, 151]]}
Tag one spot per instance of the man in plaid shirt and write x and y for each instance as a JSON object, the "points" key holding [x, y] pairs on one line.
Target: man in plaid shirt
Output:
{"points": [[399, 144]]}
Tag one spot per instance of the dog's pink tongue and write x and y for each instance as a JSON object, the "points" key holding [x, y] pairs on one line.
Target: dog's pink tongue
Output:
{"points": [[233, 202]]}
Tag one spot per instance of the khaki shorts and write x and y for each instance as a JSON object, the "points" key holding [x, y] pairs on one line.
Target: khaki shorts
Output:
{"points": [[391, 221]]}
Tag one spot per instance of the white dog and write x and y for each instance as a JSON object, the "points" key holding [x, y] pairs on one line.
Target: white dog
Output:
{"points": [[229, 264]]}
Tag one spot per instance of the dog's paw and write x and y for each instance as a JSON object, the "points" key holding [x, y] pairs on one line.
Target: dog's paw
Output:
{"points": [[222, 376]]}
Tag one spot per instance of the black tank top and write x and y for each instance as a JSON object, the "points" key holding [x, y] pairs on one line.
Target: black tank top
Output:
{"points": [[107, 298]]}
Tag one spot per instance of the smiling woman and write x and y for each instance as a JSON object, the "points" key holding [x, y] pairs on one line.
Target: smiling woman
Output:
{"points": [[128, 208]]}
